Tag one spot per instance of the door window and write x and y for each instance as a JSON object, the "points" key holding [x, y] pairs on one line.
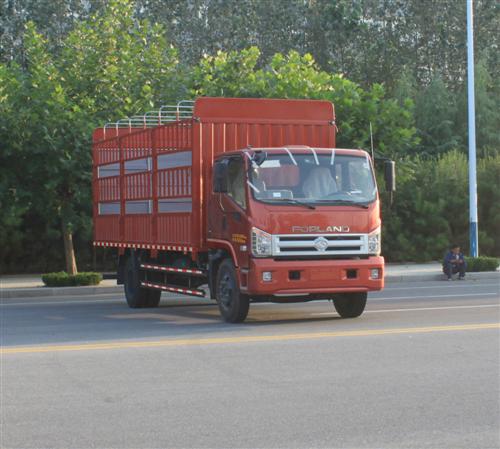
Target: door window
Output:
{"points": [[236, 181]]}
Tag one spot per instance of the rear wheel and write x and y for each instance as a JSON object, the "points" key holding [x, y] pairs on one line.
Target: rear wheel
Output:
{"points": [[233, 305], [137, 296], [350, 305]]}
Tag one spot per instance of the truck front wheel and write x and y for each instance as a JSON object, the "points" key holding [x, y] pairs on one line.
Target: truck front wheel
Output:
{"points": [[137, 296], [350, 305], [233, 305]]}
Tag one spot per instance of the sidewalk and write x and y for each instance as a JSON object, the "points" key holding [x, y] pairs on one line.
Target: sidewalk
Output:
{"points": [[31, 285]]}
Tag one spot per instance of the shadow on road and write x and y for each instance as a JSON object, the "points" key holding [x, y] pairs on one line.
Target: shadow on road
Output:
{"points": [[71, 322]]}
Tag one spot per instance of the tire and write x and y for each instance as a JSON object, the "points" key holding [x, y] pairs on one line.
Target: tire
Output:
{"points": [[137, 296], [233, 305], [350, 305]]}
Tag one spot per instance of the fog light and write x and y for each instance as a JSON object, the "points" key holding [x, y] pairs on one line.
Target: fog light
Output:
{"points": [[267, 276], [375, 273]]}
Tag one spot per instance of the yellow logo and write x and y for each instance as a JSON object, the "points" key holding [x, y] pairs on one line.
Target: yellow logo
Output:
{"points": [[239, 238]]}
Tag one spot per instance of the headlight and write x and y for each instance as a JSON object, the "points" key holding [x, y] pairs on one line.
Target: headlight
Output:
{"points": [[261, 243], [374, 242]]}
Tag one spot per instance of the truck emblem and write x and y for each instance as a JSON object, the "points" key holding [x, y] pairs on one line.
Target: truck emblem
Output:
{"points": [[311, 229], [320, 243]]}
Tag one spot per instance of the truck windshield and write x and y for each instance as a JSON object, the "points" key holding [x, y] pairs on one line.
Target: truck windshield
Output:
{"points": [[316, 178]]}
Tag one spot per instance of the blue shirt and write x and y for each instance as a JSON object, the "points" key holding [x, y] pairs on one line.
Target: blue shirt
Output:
{"points": [[451, 256]]}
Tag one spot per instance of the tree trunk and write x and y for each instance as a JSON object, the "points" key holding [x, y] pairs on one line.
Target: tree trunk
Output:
{"points": [[69, 251]]}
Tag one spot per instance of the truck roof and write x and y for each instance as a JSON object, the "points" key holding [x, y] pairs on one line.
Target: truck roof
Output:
{"points": [[225, 110], [263, 110]]}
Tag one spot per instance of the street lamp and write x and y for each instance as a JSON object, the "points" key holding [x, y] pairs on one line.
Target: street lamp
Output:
{"points": [[472, 134]]}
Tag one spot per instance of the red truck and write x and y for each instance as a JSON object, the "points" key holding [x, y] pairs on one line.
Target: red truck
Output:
{"points": [[249, 196]]}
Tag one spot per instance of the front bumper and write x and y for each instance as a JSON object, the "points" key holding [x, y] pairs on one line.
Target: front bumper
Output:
{"points": [[315, 277]]}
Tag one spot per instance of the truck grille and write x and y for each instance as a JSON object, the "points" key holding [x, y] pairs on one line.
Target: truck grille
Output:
{"points": [[320, 245]]}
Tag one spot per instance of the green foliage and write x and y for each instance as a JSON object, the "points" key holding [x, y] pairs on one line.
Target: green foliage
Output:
{"points": [[106, 68], [63, 279], [435, 114], [68, 66], [59, 279], [430, 208], [369, 41], [393, 127], [115, 65], [482, 263], [487, 94], [236, 74], [12, 196], [232, 74], [295, 76], [488, 191]]}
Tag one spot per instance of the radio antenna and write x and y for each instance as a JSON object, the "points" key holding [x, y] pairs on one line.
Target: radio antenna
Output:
{"points": [[371, 141]]}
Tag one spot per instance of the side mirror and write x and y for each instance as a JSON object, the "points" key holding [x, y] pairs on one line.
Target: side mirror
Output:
{"points": [[220, 176], [390, 176]]}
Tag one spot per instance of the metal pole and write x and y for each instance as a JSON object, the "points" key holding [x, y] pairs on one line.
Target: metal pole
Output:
{"points": [[472, 134]]}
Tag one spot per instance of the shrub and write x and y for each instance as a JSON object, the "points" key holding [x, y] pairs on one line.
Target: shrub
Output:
{"points": [[63, 279], [59, 279], [430, 208], [482, 263], [87, 278]]}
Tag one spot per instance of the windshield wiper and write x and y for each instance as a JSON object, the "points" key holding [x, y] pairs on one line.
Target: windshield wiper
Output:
{"points": [[297, 202], [344, 203]]}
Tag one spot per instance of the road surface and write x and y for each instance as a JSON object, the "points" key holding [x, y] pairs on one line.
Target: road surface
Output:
{"points": [[419, 369]]}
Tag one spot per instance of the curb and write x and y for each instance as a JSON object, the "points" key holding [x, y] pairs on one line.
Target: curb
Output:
{"points": [[42, 292]]}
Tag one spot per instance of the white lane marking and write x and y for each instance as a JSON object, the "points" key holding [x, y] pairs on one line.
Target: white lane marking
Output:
{"points": [[434, 296], [385, 298], [62, 301], [121, 299], [417, 309], [461, 286], [89, 301]]}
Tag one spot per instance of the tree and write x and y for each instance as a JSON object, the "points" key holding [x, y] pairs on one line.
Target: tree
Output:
{"points": [[47, 153], [228, 74], [204, 27], [107, 68], [53, 18], [331, 32], [12, 193], [297, 76], [115, 65], [487, 96], [435, 115]]}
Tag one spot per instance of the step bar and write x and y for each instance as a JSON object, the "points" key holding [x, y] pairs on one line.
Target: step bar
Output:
{"points": [[164, 268], [172, 288]]}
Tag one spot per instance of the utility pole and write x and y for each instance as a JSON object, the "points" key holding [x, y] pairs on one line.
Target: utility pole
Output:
{"points": [[472, 133]]}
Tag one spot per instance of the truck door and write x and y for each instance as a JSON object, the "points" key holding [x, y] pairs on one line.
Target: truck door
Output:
{"points": [[230, 222]]}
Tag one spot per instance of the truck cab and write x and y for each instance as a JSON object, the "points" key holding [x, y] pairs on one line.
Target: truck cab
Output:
{"points": [[302, 223]]}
